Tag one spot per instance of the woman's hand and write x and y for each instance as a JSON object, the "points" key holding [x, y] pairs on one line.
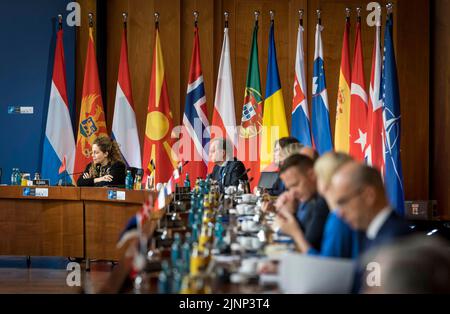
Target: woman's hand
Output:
{"points": [[105, 178]]}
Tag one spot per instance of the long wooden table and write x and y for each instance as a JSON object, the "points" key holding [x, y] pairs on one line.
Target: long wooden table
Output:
{"points": [[66, 221]]}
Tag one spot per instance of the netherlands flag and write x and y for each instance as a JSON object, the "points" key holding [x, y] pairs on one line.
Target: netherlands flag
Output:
{"points": [[195, 133], [124, 128], [59, 142], [300, 114]]}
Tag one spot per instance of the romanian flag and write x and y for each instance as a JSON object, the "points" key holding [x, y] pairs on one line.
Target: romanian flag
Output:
{"points": [[251, 121], [158, 130], [342, 127], [274, 118], [92, 118]]}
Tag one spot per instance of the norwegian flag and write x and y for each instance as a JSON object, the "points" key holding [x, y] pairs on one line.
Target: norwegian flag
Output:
{"points": [[195, 131]]}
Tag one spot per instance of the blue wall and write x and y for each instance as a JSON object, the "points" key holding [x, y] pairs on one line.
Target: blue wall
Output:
{"points": [[27, 33]]}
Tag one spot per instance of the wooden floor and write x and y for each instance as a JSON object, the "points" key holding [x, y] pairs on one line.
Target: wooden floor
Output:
{"points": [[43, 279]]}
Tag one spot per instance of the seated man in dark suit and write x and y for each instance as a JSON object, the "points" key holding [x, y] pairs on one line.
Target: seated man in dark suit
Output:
{"points": [[297, 173], [359, 194], [227, 170]]}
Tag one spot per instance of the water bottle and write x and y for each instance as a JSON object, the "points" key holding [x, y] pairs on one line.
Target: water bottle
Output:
{"points": [[187, 182], [129, 180], [163, 278], [137, 182], [14, 177], [186, 254], [18, 177], [175, 251]]}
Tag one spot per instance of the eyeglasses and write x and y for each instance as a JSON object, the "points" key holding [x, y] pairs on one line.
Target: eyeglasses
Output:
{"points": [[344, 200]]}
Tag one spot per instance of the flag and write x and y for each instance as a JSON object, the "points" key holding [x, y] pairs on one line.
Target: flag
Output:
{"points": [[158, 139], [224, 117], [134, 225], [274, 117], [63, 166], [195, 132], [92, 118], [124, 127], [391, 116], [320, 111], [59, 142], [251, 120], [300, 114], [375, 144], [358, 102], [342, 127]]}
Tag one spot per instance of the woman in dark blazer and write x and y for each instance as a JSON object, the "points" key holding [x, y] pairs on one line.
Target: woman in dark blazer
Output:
{"points": [[107, 167]]}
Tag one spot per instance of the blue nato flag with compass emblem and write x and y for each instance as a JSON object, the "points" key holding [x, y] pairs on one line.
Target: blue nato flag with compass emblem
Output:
{"points": [[391, 116]]}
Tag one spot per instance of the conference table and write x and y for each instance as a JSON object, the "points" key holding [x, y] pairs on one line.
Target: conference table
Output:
{"points": [[67, 221]]}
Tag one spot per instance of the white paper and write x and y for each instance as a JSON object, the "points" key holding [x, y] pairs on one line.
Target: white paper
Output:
{"points": [[300, 273], [41, 192], [121, 195]]}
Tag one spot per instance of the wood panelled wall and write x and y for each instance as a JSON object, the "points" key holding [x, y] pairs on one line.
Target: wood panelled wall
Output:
{"points": [[440, 104], [411, 34]]}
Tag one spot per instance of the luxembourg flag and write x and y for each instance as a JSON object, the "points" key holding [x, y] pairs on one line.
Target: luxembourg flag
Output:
{"points": [[224, 118], [59, 142], [124, 128], [320, 112], [300, 114]]}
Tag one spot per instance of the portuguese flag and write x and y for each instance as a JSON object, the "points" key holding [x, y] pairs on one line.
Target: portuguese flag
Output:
{"points": [[252, 113]]}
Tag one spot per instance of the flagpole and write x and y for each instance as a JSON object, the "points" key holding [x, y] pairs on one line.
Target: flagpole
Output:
{"points": [[256, 13], [91, 19], [319, 20], [300, 14], [347, 15], [156, 20], [196, 14], [226, 14], [272, 16], [125, 19], [358, 14], [59, 22], [389, 9]]}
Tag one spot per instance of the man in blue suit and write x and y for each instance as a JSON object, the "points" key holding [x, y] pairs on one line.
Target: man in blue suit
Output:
{"points": [[359, 194]]}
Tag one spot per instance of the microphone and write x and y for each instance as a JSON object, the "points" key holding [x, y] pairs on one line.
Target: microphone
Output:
{"points": [[62, 182]]}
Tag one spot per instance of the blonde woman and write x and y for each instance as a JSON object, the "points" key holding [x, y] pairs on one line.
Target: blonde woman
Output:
{"points": [[338, 239]]}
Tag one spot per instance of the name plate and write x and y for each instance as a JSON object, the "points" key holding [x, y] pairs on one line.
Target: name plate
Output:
{"points": [[44, 182], [39, 192], [116, 195]]}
